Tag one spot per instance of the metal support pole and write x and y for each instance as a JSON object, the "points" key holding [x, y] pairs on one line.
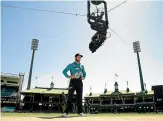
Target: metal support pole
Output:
{"points": [[33, 97], [30, 72], [123, 100], [100, 104], [21, 77], [140, 73]]}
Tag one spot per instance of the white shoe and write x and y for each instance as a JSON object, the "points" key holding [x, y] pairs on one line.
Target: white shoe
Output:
{"points": [[65, 115], [81, 115]]}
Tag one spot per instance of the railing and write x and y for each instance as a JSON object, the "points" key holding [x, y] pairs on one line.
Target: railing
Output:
{"points": [[9, 74]]}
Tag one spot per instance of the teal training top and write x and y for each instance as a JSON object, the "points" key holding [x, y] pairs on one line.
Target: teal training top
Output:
{"points": [[75, 69]]}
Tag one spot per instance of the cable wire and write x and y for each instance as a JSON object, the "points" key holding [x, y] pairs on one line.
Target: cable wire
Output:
{"points": [[58, 12], [76, 14], [43, 10], [117, 6], [120, 37]]}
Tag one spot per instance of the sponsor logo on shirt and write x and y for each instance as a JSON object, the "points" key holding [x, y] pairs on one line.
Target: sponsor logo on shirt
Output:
{"points": [[77, 68]]}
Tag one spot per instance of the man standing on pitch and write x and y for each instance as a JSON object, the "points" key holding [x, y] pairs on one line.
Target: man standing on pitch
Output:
{"points": [[77, 74]]}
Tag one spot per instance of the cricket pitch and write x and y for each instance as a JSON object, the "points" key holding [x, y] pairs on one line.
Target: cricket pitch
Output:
{"points": [[97, 117]]}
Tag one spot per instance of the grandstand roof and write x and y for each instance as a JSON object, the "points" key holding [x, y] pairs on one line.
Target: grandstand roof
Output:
{"points": [[149, 93], [93, 95], [42, 90], [117, 93], [9, 75], [123, 92]]}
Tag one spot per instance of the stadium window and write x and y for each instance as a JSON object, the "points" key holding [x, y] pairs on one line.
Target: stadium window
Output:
{"points": [[2, 80], [3, 89], [50, 99], [12, 82]]}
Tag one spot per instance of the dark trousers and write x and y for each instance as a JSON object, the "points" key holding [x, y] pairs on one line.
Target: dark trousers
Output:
{"points": [[75, 85]]}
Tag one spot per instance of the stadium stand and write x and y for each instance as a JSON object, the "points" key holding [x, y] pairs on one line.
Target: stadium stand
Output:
{"points": [[11, 85], [8, 109]]}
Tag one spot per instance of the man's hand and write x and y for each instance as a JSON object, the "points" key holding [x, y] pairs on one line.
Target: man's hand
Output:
{"points": [[82, 78], [71, 77]]}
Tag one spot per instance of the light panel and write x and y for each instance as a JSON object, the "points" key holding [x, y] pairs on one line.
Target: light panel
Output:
{"points": [[34, 45], [136, 46]]}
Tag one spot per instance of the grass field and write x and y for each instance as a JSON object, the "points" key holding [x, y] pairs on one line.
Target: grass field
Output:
{"points": [[74, 117]]}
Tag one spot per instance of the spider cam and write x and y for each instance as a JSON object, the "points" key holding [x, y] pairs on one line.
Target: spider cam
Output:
{"points": [[95, 19]]}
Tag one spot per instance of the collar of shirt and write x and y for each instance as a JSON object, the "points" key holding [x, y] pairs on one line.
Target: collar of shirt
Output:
{"points": [[76, 63]]}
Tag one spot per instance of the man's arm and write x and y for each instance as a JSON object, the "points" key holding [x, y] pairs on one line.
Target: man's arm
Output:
{"points": [[83, 71], [66, 70]]}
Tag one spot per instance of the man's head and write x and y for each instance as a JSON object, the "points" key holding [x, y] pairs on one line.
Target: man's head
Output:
{"points": [[78, 57]]}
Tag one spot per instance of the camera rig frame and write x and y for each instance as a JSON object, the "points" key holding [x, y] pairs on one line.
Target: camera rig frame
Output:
{"points": [[95, 19]]}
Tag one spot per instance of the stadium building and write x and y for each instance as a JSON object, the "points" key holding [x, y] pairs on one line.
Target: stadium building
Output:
{"points": [[11, 86], [118, 101], [41, 99], [50, 99]]}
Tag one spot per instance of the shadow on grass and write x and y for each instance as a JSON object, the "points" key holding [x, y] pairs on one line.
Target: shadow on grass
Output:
{"points": [[57, 117]]}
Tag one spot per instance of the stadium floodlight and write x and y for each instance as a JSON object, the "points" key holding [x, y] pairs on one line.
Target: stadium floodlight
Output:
{"points": [[34, 47], [136, 46]]}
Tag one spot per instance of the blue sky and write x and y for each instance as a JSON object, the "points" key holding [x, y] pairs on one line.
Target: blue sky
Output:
{"points": [[61, 36]]}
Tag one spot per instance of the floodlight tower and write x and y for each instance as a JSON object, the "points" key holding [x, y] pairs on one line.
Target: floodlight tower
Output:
{"points": [[136, 46], [34, 47]]}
